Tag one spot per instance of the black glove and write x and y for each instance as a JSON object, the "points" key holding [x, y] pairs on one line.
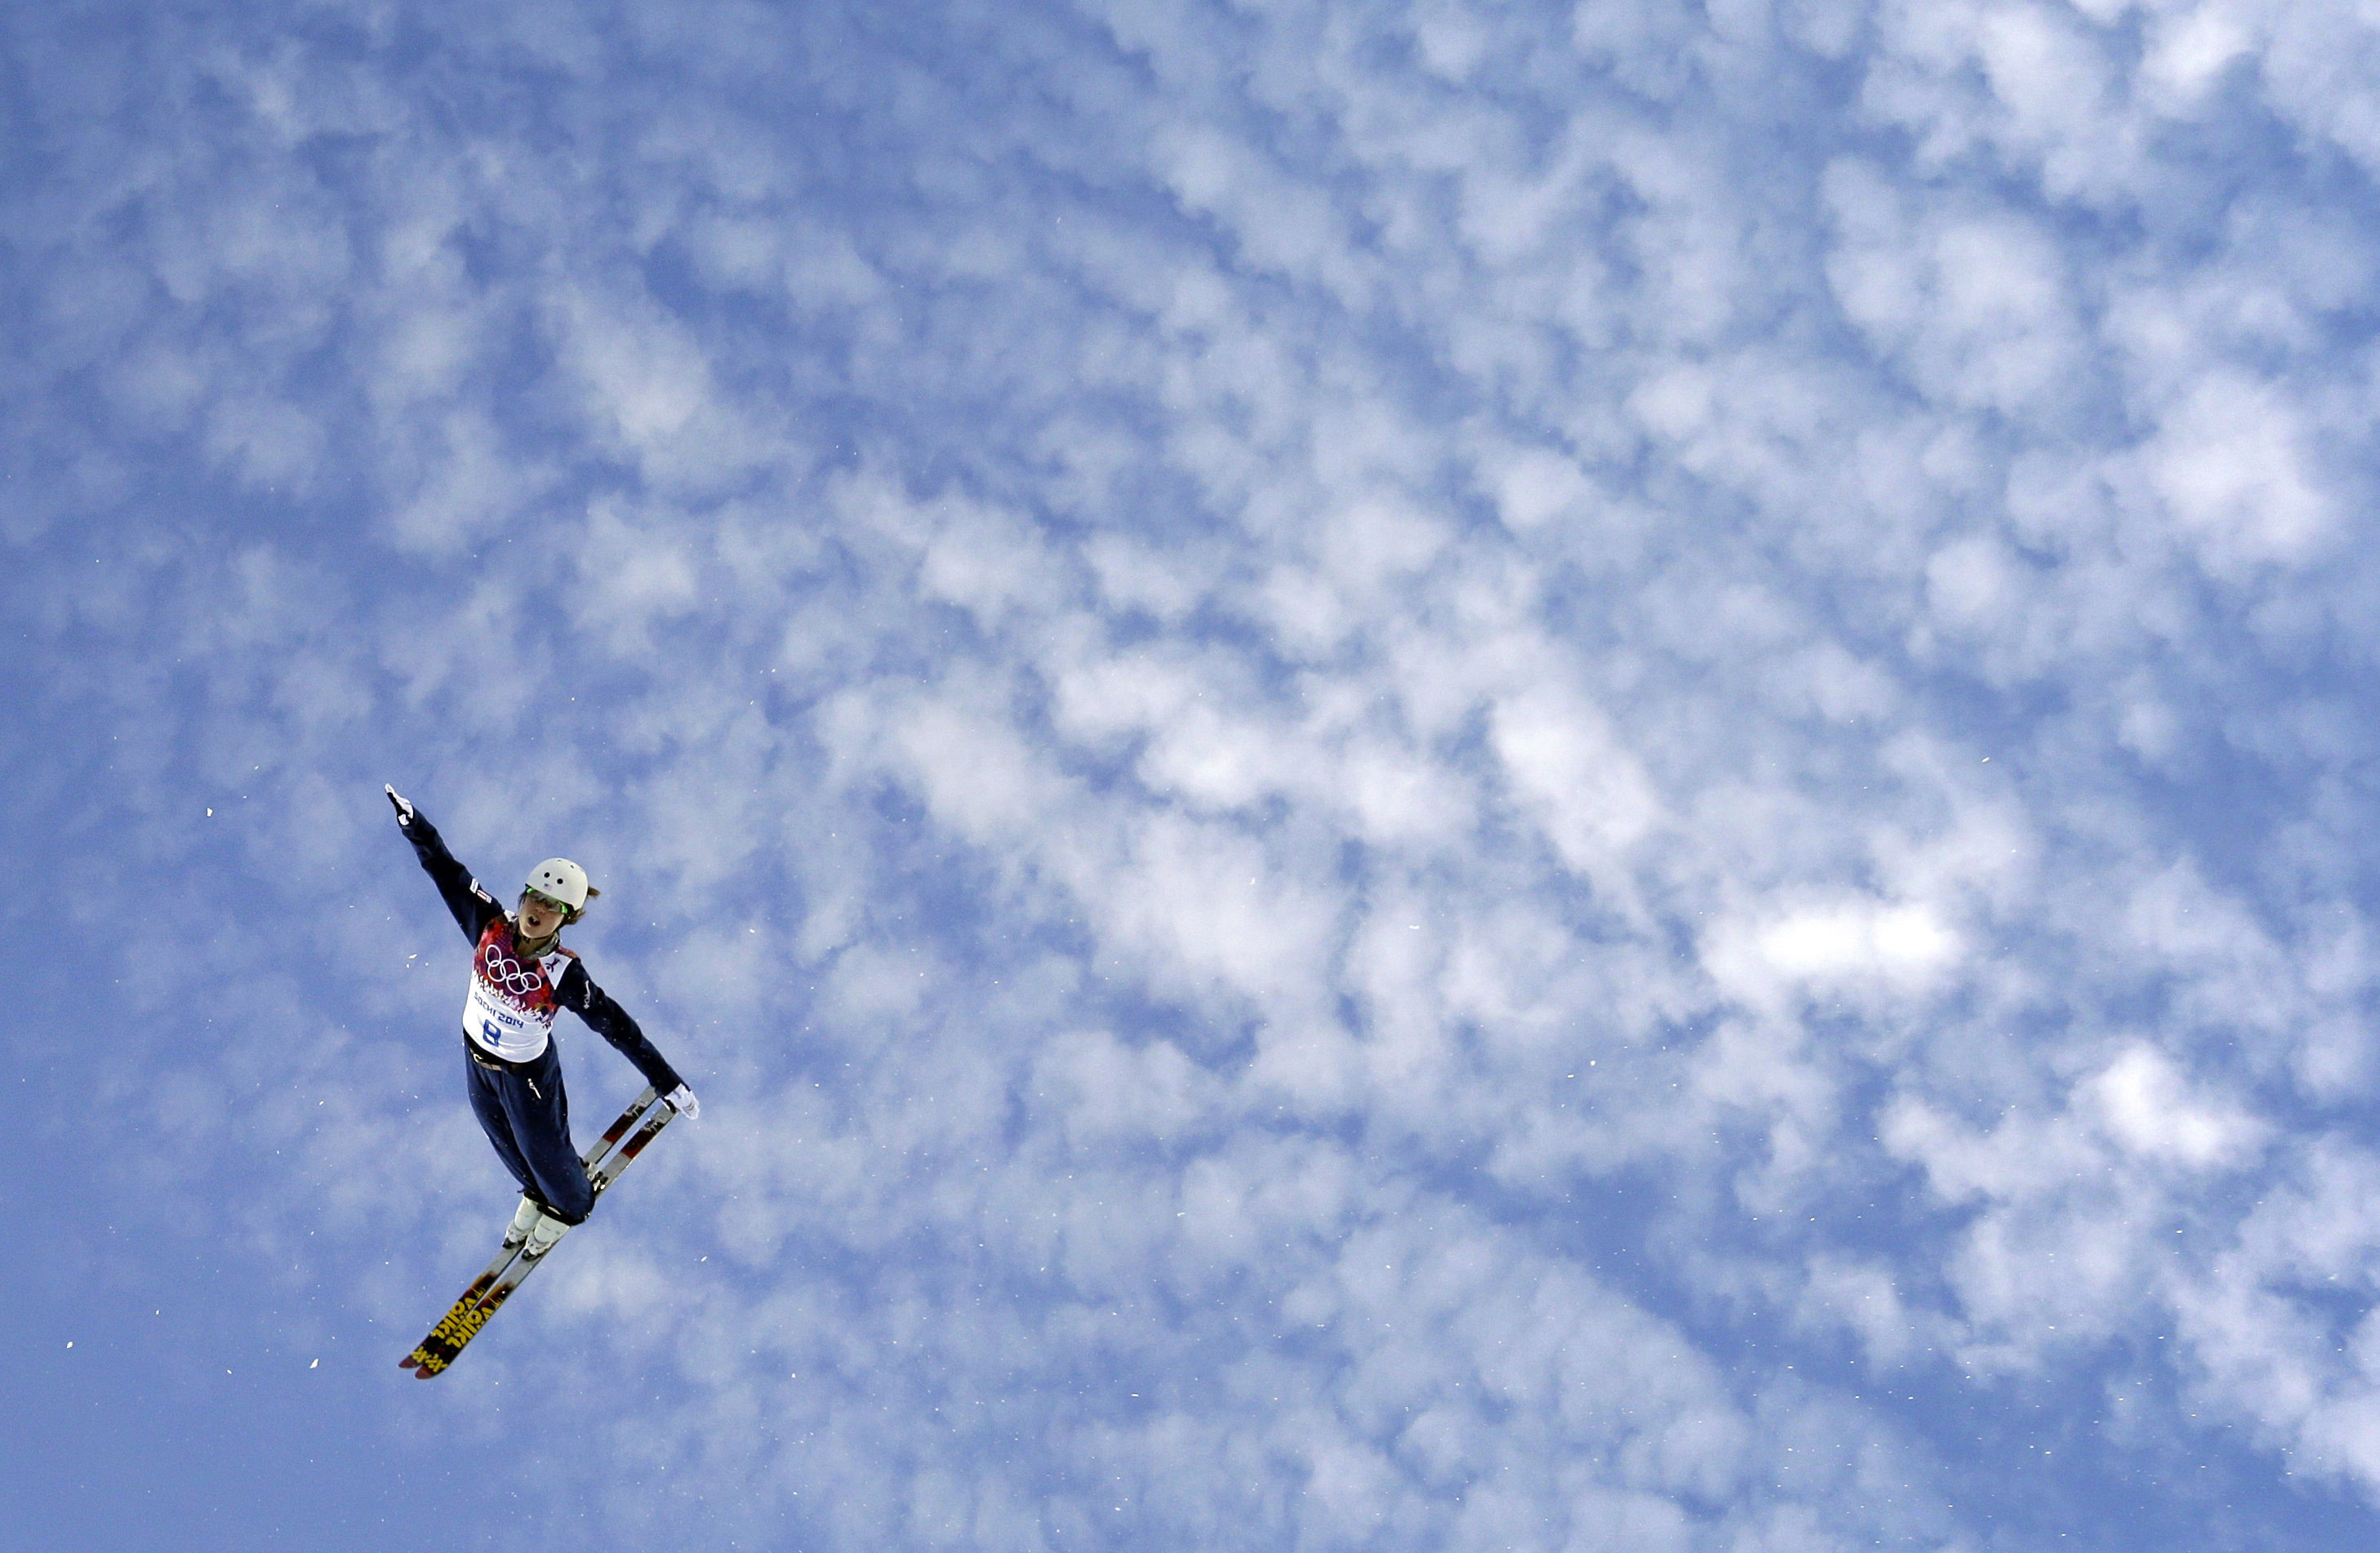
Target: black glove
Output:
{"points": [[404, 809]]}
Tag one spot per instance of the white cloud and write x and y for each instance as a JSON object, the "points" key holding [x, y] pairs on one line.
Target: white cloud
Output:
{"points": [[1572, 774], [1832, 946], [2191, 49], [2231, 462], [1865, 1301], [1974, 303], [2150, 1110]]}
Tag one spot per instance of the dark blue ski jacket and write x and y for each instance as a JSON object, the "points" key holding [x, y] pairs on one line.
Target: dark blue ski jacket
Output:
{"points": [[532, 987]]}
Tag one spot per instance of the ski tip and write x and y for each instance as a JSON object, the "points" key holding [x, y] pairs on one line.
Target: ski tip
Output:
{"points": [[424, 1373]]}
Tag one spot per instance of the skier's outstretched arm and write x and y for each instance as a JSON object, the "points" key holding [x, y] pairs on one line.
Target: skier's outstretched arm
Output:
{"points": [[473, 907], [608, 1019]]}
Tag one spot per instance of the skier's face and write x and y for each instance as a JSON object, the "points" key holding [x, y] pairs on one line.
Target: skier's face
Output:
{"points": [[538, 915]]}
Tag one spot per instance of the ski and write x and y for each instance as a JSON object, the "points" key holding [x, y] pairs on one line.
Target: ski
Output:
{"points": [[503, 1274], [514, 1275]]}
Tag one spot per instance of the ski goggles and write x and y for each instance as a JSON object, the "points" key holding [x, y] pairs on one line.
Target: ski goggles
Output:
{"points": [[548, 902]]}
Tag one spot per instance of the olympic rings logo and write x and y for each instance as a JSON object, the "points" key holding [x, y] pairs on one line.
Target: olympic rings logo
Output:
{"points": [[510, 974]]}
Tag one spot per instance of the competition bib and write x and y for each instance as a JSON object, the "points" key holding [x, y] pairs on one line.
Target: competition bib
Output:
{"points": [[509, 1011]]}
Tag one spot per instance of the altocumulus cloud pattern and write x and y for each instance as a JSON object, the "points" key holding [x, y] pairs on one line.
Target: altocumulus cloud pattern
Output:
{"points": [[1437, 776]]}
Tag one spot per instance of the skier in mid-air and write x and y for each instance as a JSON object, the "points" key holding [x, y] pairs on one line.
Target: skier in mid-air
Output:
{"points": [[520, 977]]}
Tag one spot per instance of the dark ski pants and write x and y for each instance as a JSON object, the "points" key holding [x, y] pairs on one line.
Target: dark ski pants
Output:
{"points": [[522, 1109]]}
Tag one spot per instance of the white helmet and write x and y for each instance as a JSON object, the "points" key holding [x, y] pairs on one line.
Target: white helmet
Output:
{"points": [[559, 878]]}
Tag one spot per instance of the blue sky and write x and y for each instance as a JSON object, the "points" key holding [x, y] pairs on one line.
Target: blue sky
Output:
{"points": [[1437, 776]]}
